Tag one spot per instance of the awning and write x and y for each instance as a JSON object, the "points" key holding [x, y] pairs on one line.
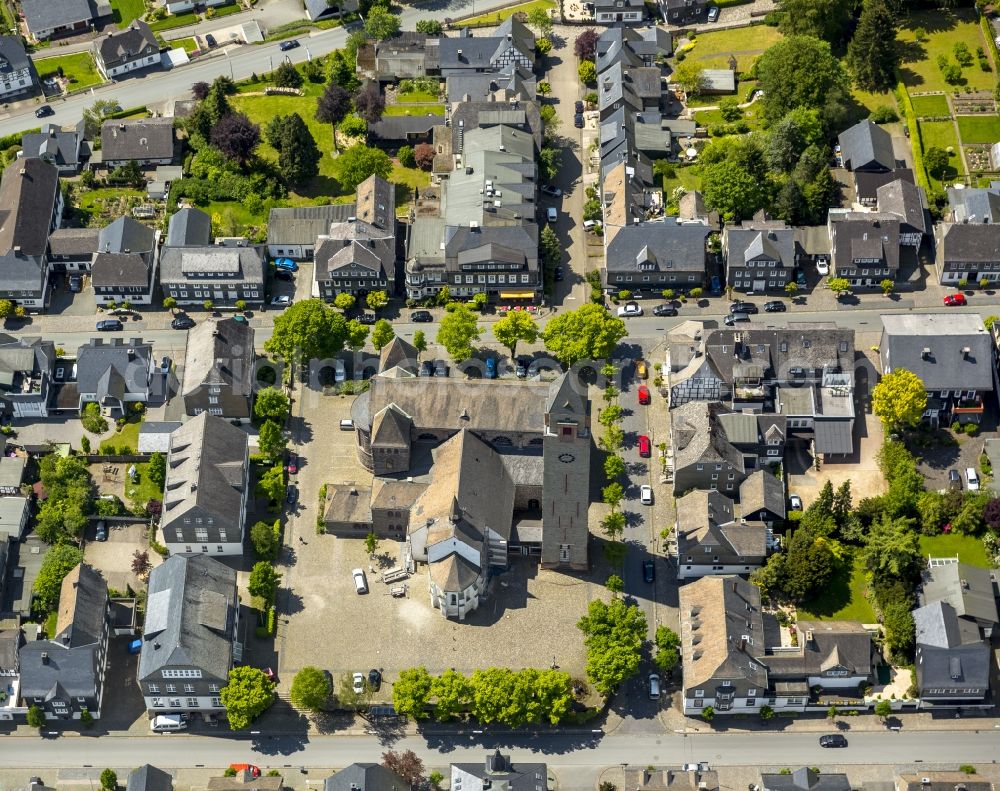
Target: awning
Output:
{"points": [[517, 295]]}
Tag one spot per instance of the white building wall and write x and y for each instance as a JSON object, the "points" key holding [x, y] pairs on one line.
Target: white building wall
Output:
{"points": [[686, 571], [230, 548]]}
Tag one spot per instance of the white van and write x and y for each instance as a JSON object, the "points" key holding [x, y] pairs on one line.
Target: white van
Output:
{"points": [[347, 425], [972, 479], [167, 722]]}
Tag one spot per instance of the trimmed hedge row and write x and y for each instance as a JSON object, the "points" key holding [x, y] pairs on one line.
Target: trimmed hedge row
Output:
{"points": [[916, 143]]}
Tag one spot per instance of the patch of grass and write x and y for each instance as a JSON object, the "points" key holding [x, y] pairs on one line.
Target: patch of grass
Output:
{"points": [[226, 10], [932, 106], [968, 548], [78, 68], [843, 599], [124, 11], [504, 13], [942, 134], [979, 128], [712, 50], [189, 45], [175, 21], [415, 109], [945, 28], [144, 490], [417, 97], [688, 177], [872, 101], [234, 215], [50, 624], [407, 180], [113, 200], [124, 440]]}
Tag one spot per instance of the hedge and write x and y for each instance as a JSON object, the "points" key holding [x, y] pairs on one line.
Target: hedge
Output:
{"points": [[15, 139], [916, 143], [272, 622], [988, 35]]}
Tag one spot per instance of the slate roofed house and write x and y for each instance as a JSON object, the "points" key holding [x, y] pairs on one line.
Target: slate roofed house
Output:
{"points": [[190, 635], [149, 778], [691, 777], [365, 777], [951, 353], [975, 204], [805, 779], [710, 540], [908, 202], [318, 10], [46, 19], [404, 129], [715, 81], [865, 247], [513, 83], [867, 147], [405, 55], [940, 781], [969, 590], [64, 148], [189, 227], [952, 657], [608, 12], [512, 43], [219, 370], [761, 256], [114, 374], [31, 206], [968, 253], [499, 772], [11, 474], [207, 485], [124, 266], [640, 45], [655, 256], [684, 12], [762, 498], [292, 231], [26, 366], [148, 141], [122, 51], [72, 249], [16, 75], [65, 675]]}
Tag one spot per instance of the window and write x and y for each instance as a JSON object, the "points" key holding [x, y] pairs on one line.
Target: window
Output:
{"points": [[751, 692], [158, 703], [699, 693], [171, 688], [182, 674], [751, 701], [189, 688], [216, 703], [213, 687], [153, 688], [192, 703]]}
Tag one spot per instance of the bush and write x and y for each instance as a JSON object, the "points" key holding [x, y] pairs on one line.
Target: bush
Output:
{"points": [[92, 419], [886, 114], [406, 157]]}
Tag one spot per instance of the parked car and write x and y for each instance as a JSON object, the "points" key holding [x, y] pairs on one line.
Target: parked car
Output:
{"points": [[182, 323], [426, 368], [742, 306], [734, 318], [645, 447], [644, 398], [648, 570], [578, 106], [630, 309], [293, 464], [551, 215], [75, 283], [44, 111], [521, 368], [359, 683], [954, 480], [642, 370], [715, 286], [374, 679], [254, 770], [440, 368], [490, 369], [109, 325], [421, 316], [286, 263], [101, 533], [800, 278], [775, 306], [823, 267], [646, 494], [550, 189], [360, 583], [833, 740], [292, 494], [713, 14], [287, 45], [955, 299], [971, 479], [367, 318], [578, 120], [664, 310], [794, 502], [284, 274], [210, 40], [281, 301]]}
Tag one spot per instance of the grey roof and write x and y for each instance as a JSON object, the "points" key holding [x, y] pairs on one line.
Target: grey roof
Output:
{"points": [[633, 44], [125, 254], [190, 616], [12, 517], [763, 489], [398, 352], [302, 224], [13, 56], [864, 236], [139, 139], [400, 127], [866, 146], [659, 247], [779, 352], [80, 242], [805, 779], [348, 503], [59, 146], [226, 264], [949, 655], [968, 589], [149, 778], [28, 194], [353, 245], [824, 646], [82, 607], [47, 14], [10, 642], [119, 270], [868, 183], [509, 83], [937, 625], [316, 9], [975, 243], [834, 436], [114, 367], [906, 200], [121, 47], [762, 241], [698, 436], [975, 205], [945, 366], [220, 353], [499, 772], [719, 80], [190, 227], [12, 470], [154, 436], [21, 360], [206, 470], [365, 777], [705, 518]]}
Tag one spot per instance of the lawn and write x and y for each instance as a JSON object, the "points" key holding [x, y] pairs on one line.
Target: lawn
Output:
{"points": [[688, 177], [712, 50], [944, 29], [872, 101], [143, 490], [125, 439], [709, 118], [226, 10], [124, 11], [174, 21], [979, 128], [934, 105], [107, 202], [407, 180], [942, 134], [504, 13], [189, 45], [969, 549], [235, 217], [417, 97], [843, 599], [79, 68], [414, 109]]}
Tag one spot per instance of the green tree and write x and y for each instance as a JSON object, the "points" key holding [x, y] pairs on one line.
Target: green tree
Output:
{"points": [[791, 136], [517, 325], [271, 441], [406, 157], [306, 330], [611, 415], [668, 649], [899, 399], [840, 286], [614, 467], [883, 709], [888, 285], [263, 539], [272, 484], [615, 584], [587, 72], [157, 469], [809, 563], [371, 544], [897, 618], [553, 695], [429, 26], [893, 549], [420, 341], [357, 334], [801, 71], [381, 23], [344, 301], [452, 693], [411, 692], [333, 106], [94, 116], [247, 694], [382, 333], [690, 75], [936, 160], [613, 494], [825, 19], [549, 247], [36, 717], [264, 581], [457, 332], [873, 55], [708, 713], [540, 20], [287, 76], [109, 780], [59, 561], [359, 162], [7, 307], [376, 300], [271, 404], [310, 689], [614, 634], [832, 713], [589, 332], [766, 713], [298, 155], [613, 525], [735, 177]]}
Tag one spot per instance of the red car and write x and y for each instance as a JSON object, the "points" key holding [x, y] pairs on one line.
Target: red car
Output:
{"points": [[253, 770], [644, 447], [954, 299], [293, 464], [271, 675], [643, 394]]}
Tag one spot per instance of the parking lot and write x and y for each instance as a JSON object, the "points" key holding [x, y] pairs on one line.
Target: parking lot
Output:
{"points": [[113, 558]]}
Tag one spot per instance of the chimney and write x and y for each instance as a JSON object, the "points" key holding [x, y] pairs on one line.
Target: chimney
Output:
{"points": [[23, 171], [925, 353], [131, 354], [966, 351], [45, 657]]}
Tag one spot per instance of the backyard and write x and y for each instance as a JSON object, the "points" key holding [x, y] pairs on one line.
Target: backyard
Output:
{"points": [[942, 134], [934, 105], [944, 29], [175, 21], [843, 599], [124, 11], [499, 16], [78, 68], [968, 548], [979, 128], [414, 109], [713, 50]]}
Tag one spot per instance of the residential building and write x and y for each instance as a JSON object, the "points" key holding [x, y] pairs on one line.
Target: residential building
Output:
{"points": [[318, 10], [219, 370], [16, 74], [121, 51], [969, 590], [149, 778], [654, 256], [114, 374], [736, 660], [124, 266], [710, 540], [968, 254], [402, 130], [804, 779], [952, 658], [761, 256], [207, 485], [908, 202], [866, 151], [293, 232], [404, 55], [148, 141], [26, 366], [975, 204], [864, 247], [190, 635], [951, 353], [64, 676], [65, 148], [608, 12], [72, 249], [685, 778], [11, 475], [940, 781], [512, 43], [511, 84], [365, 777], [45, 19], [31, 206], [498, 771], [14, 513], [762, 499], [684, 12], [641, 46], [359, 256]]}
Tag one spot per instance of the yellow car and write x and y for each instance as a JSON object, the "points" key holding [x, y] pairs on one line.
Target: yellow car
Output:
{"points": [[641, 370]]}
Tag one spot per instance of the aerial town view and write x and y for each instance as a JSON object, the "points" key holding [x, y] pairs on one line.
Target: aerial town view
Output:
{"points": [[499, 395]]}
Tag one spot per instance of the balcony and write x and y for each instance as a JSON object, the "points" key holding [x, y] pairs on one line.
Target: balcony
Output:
{"points": [[968, 406]]}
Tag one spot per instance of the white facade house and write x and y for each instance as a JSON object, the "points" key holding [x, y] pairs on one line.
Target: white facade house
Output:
{"points": [[129, 50], [15, 68]]}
